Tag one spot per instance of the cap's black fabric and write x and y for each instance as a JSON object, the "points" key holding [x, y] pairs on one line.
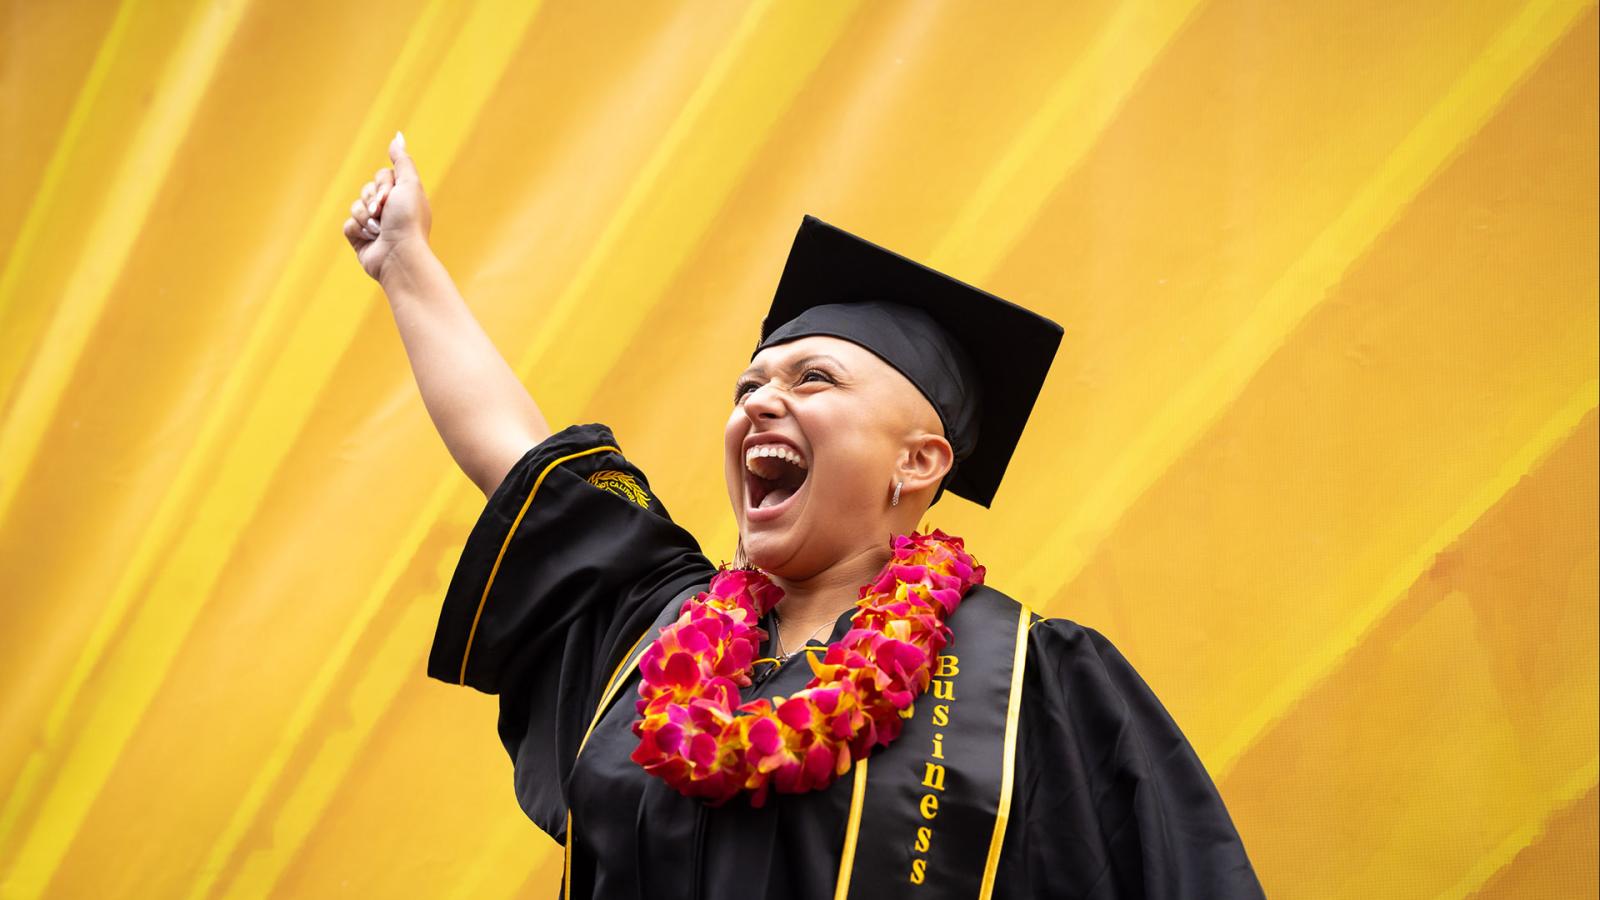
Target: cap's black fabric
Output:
{"points": [[910, 340], [977, 358]]}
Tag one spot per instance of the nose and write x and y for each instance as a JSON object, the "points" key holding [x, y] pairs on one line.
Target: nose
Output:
{"points": [[765, 402]]}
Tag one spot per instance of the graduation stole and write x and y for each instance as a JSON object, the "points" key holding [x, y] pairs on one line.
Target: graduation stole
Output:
{"points": [[930, 812]]}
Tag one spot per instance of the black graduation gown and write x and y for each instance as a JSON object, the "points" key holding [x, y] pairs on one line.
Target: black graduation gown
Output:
{"points": [[574, 558]]}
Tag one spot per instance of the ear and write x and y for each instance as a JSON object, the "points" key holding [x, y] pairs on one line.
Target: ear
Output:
{"points": [[924, 462]]}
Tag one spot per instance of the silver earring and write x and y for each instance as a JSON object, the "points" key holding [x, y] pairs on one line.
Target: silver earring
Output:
{"points": [[896, 500]]}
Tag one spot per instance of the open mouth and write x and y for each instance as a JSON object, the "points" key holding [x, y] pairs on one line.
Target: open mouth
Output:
{"points": [[774, 474]]}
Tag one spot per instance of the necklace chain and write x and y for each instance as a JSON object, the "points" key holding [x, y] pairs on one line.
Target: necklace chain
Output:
{"points": [[778, 638]]}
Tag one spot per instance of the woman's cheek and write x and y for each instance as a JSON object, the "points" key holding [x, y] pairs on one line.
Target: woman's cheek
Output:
{"points": [[843, 478], [732, 463]]}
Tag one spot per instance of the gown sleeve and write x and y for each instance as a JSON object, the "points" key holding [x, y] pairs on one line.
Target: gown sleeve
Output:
{"points": [[571, 560], [1114, 801]]}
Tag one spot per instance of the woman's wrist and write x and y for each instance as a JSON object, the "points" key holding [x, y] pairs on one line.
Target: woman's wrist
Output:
{"points": [[409, 268]]}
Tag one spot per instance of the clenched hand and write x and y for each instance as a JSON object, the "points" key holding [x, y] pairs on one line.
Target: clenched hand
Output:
{"points": [[391, 211]]}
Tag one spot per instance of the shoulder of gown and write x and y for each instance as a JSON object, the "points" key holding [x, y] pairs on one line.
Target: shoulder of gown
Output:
{"points": [[1110, 799], [571, 560]]}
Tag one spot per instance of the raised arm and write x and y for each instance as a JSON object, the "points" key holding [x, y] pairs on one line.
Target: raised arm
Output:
{"points": [[480, 408]]}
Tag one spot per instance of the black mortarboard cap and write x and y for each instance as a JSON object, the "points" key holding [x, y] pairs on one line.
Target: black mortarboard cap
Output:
{"points": [[979, 360]]}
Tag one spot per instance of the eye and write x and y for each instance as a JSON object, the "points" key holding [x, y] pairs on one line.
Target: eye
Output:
{"points": [[745, 387]]}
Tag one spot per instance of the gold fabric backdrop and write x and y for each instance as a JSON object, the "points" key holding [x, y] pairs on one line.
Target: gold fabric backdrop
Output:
{"points": [[1319, 451]]}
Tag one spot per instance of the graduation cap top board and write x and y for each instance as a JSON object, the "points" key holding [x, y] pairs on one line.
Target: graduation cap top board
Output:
{"points": [[979, 360]]}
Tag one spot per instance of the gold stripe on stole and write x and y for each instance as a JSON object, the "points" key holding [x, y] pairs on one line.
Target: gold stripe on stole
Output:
{"points": [[566, 860], [1009, 761], [858, 792], [495, 570]]}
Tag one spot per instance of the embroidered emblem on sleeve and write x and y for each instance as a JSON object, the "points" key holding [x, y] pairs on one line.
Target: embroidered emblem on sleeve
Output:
{"points": [[622, 484]]}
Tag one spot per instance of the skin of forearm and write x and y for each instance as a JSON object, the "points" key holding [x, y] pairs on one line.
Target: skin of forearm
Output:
{"points": [[480, 408]]}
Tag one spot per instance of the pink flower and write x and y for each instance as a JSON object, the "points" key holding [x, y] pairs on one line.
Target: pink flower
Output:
{"points": [[796, 713]]}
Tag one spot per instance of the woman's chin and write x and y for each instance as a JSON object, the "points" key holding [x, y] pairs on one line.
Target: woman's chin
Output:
{"points": [[772, 548], [765, 549]]}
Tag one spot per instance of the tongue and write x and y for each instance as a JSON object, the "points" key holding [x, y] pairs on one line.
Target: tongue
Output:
{"points": [[774, 497]]}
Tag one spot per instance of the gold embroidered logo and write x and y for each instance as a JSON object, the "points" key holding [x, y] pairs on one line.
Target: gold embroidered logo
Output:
{"points": [[622, 484]]}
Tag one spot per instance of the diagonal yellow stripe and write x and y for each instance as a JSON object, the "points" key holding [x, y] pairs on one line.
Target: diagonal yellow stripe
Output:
{"points": [[1472, 100], [321, 779], [505, 863], [367, 700], [109, 237], [1581, 783], [1058, 137], [1081, 105], [773, 51], [61, 159], [105, 246], [304, 798], [314, 695], [1319, 661], [180, 578]]}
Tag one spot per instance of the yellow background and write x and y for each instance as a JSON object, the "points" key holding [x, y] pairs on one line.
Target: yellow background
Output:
{"points": [[1318, 453]]}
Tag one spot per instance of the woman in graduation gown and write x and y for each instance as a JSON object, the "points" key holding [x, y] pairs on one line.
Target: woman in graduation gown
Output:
{"points": [[915, 730]]}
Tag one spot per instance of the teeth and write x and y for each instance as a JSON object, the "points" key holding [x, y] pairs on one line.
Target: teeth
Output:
{"points": [[777, 451]]}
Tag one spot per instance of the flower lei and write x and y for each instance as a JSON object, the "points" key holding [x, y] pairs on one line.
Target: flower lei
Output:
{"points": [[693, 732]]}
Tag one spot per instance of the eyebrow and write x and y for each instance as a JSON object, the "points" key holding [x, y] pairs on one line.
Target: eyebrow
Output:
{"points": [[797, 364]]}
